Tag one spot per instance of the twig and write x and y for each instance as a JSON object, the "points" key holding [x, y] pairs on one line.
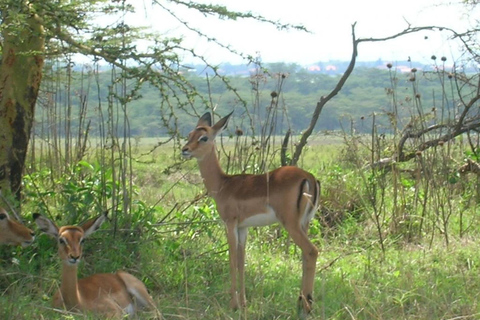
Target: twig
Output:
{"points": [[10, 207]]}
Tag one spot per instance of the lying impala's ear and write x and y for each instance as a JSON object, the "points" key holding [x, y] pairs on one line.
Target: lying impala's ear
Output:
{"points": [[46, 225], [221, 124], [205, 120], [90, 226]]}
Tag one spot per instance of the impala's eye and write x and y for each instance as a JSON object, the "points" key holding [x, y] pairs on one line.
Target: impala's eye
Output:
{"points": [[203, 139], [62, 241], [82, 241], [3, 216]]}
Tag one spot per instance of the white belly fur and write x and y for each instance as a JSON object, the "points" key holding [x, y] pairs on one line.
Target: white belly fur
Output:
{"points": [[260, 219]]}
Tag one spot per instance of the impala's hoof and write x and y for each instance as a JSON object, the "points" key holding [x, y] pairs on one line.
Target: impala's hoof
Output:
{"points": [[304, 306], [234, 303], [243, 302]]}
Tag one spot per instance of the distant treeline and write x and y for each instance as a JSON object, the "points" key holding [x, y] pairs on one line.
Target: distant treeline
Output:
{"points": [[296, 91]]}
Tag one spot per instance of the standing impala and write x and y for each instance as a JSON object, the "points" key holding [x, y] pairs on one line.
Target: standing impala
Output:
{"points": [[287, 195], [13, 232], [111, 294]]}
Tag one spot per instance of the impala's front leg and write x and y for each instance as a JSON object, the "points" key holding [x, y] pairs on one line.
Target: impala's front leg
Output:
{"points": [[242, 242], [232, 237]]}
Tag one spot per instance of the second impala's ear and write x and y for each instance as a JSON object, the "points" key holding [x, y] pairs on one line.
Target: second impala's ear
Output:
{"points": [[46, 225], [221, 124], [90, 226], [205, 120]]}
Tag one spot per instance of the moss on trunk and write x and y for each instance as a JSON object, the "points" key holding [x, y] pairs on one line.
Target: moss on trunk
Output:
{"points": [[20, 77]]}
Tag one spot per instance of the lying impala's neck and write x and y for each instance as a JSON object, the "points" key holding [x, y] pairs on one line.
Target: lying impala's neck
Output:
{"points": [[69, 286], [211, 172]]}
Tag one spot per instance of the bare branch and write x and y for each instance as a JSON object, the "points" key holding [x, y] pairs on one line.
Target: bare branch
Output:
{"points": [[402, 33], [459, 127], [324, 99]]}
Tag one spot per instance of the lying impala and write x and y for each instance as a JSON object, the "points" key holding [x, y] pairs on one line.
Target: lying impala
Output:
{"points": [[110, 294], [13, 232], [287, 195]]}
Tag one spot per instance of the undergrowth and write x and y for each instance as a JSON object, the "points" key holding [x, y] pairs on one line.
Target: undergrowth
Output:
{"points": [[368, 268]]}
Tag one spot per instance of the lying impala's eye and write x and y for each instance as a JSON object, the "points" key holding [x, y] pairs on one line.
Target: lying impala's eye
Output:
{"points": [[203, 139], [2, 216], [82, 241], [62, 241]]}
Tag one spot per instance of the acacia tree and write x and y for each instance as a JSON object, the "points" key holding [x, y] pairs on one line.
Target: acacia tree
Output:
{"points": [[35, 30]]}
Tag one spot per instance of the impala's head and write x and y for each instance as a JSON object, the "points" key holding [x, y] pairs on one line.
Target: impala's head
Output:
{"points": [[201, 139], [70, 238], [13, 232]]}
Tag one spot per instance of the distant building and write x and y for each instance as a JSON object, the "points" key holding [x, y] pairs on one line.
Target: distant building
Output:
{"points": [[404, 69], [330, 67]]}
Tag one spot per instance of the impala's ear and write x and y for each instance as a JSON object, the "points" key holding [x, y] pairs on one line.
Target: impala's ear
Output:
{"points": [[221, 124], [205, 120], [90, 226], [46, 225]]}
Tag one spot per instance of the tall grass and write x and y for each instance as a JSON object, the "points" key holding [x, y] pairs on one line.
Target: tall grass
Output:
{"points": [[397, 239], [178, 248]]}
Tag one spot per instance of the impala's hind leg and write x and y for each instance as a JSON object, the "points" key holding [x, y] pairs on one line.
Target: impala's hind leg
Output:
{"points": [[138, 291], [298, 232]]}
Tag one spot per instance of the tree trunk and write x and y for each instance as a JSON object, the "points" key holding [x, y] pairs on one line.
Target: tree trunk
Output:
{"points": [[20, 77]]}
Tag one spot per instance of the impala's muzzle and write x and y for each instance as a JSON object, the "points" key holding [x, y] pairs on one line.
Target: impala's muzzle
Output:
{"points": [[186, 153], [73, 260], [26, 243]]}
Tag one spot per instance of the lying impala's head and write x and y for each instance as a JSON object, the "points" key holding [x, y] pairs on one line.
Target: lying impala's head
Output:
{"points": [[13, 232], [201, 139], [70, 238]]}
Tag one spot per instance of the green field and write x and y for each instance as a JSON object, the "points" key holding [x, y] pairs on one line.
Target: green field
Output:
{"points": [[393, 245]]}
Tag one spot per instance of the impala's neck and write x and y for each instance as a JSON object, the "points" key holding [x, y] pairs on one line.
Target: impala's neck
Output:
{"points": [[211, 172], [69, 286]]}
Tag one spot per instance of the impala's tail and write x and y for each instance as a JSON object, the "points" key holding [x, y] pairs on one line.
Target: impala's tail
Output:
{"points": [[308, 200], [316, 202]]}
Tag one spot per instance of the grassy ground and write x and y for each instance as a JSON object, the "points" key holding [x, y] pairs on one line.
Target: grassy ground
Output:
{"points": [[182, 257], [353, 281]]}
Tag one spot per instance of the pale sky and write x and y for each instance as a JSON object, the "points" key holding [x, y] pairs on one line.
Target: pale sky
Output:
{"points": [[330, 23]]}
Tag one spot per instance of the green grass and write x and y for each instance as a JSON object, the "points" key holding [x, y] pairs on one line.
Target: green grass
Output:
{"points": [[179, 249], [411, 282]]}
